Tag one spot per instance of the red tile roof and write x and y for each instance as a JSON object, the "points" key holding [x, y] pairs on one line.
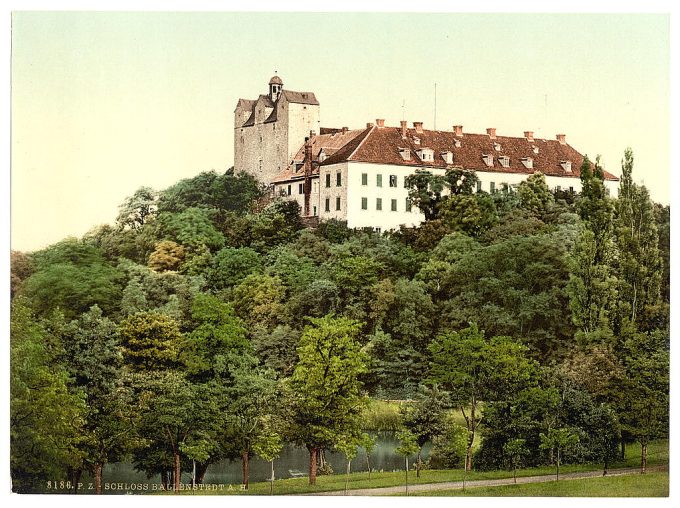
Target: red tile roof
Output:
{"points": [[331, 143], [381, 146]]}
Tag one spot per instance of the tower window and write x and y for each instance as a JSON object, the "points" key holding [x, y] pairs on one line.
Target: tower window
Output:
{"points": [[338, 179], [327, 208], [328, 179], [337, 203]]}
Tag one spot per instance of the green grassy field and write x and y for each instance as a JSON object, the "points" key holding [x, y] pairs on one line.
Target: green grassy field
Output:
{"points": [[637, 485], [657, 455]]}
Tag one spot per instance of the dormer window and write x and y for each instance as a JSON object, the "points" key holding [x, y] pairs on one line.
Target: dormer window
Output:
{"points": [[416, 140], [566, 165], [457, 143], [448, 157], [426, 154], [322, 156], [528, 162], [488, 160], [504, 160], [497, 147], [535, 149], [405, 154]]}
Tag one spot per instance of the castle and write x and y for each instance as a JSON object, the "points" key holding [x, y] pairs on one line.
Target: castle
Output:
{"points": [[359, 175]]}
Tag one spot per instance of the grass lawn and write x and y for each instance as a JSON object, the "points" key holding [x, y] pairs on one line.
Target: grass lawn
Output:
{"points": [[657, 455], [637, 485]]}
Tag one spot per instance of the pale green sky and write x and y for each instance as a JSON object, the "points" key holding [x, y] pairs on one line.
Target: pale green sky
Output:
{"points": [[103, 103]]}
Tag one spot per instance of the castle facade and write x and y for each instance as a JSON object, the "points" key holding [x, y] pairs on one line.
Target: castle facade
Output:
{"points": [[359, 175]]}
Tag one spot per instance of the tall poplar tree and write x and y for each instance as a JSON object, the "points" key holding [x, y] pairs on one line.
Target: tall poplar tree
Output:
{"points": [[592, 284], [639, 262]]}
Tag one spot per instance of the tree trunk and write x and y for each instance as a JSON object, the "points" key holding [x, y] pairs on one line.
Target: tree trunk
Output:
{"points": [[643, 457], [271, 483], [176, 473], [407, 476], [623, 448], [201, 469], [514, 475], [76, 479], [245, 464], [368, 465], [347, 476], [98, 470], [418, 464], [558, 464], [312, 465]]}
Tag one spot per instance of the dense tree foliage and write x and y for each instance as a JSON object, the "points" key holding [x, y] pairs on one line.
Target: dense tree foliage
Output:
{"points": [[209, 324]]}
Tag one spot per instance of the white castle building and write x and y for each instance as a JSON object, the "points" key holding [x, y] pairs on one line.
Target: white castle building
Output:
{"points": [[359, 175]]}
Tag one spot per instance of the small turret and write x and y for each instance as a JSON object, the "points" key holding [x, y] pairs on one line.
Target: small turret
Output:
{"points": [[275, 87]]}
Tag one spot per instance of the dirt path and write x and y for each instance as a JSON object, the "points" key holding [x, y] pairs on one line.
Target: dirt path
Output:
{"points": [[424, 487]]}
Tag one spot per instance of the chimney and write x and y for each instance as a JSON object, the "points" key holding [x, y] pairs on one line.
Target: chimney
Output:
{"points": [[403, 129], [307, 187], [491, 131], [369, 125], [529, 135], [562, 138], [418, 127], [344, 129], [458, 130], [380, 122]]}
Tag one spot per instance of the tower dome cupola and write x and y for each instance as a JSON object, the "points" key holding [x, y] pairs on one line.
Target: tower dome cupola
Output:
{"points": [[275, 87]]}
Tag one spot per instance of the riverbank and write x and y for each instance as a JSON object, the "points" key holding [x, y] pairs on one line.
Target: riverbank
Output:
{"points": [[658, 457]]}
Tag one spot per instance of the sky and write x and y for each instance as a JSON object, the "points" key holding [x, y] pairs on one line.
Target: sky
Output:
{"points": [[104, 103]]}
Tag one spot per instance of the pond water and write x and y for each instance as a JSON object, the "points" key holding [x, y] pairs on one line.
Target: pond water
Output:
{"points": [[292, 459]]}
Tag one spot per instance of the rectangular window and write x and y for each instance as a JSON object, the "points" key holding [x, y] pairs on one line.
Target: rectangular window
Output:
{"points": [[328, 179], [479, 185], [378, 180], [338, 179], [393, 180], [337, 203], [328, 205], [364, 203], [301, 188], [393, 206], [314, 210], [492, 187], [378, 204], [364, 178], [289, 192], [408, 205]]}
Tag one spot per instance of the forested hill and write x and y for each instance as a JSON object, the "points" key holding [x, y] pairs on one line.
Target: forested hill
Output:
{"points": [[210, 280]]}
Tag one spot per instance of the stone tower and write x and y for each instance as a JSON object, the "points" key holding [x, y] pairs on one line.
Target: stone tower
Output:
{"points": [[269, 130]]}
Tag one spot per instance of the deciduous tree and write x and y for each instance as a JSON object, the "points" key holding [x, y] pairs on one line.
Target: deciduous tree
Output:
{"points": [[326, 399]]}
